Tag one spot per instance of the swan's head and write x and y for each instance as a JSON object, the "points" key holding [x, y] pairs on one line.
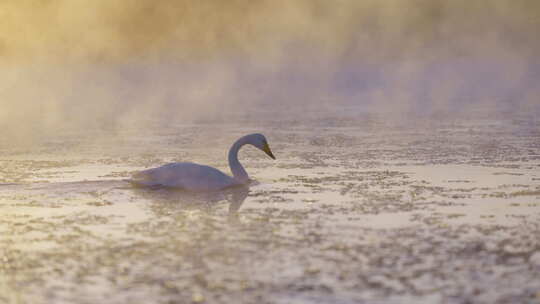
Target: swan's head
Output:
{"points": [[259, 141]]}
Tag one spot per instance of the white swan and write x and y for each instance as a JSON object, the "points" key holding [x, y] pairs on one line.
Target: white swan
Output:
{"points": [[194, 177]]}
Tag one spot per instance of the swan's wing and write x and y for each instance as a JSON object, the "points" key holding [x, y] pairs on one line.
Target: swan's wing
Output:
{"points": [[189, 176]]}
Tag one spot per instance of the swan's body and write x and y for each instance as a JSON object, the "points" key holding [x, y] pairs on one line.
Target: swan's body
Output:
{"points": [[195, 177], [185, 175]]}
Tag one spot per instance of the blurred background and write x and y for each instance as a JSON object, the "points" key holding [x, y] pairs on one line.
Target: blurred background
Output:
{"points": [[72, 64]]}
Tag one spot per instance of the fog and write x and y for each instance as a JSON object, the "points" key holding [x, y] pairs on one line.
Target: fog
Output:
{"points": [[78, 64], [406, 136]]}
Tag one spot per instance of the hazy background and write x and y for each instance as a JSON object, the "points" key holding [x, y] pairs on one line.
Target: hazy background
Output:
{"points": [[77, 64]]}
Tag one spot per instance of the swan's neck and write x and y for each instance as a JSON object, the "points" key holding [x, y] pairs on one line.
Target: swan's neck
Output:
{"points": [[238, 171]]}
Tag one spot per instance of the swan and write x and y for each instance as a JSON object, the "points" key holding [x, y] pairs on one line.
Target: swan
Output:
{"points": [[195, 177]]}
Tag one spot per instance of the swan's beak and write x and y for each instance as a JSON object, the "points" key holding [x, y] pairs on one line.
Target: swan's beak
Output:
{"points": [[267, 150]]}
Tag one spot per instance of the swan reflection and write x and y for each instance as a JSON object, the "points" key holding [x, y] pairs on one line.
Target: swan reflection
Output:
{"points": [[171, 199]]}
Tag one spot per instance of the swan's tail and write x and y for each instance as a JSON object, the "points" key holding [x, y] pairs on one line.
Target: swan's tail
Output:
{"points": [[140, 180], [143, 179]]}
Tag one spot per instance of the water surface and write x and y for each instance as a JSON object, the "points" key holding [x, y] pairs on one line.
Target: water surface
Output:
{"points": [[356, 209]]}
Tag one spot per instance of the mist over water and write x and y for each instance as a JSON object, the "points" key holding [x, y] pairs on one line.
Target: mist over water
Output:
{"points": [[79, 64], [406, 135]]}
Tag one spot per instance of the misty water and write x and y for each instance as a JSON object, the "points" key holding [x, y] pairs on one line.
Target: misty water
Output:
{"points": [[357, 208]]}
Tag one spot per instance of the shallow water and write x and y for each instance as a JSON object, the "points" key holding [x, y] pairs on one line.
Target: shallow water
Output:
{"points": [[356, 209]]}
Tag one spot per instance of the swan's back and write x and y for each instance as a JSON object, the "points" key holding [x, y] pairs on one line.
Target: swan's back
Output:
{"points": [[187, 176]]}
